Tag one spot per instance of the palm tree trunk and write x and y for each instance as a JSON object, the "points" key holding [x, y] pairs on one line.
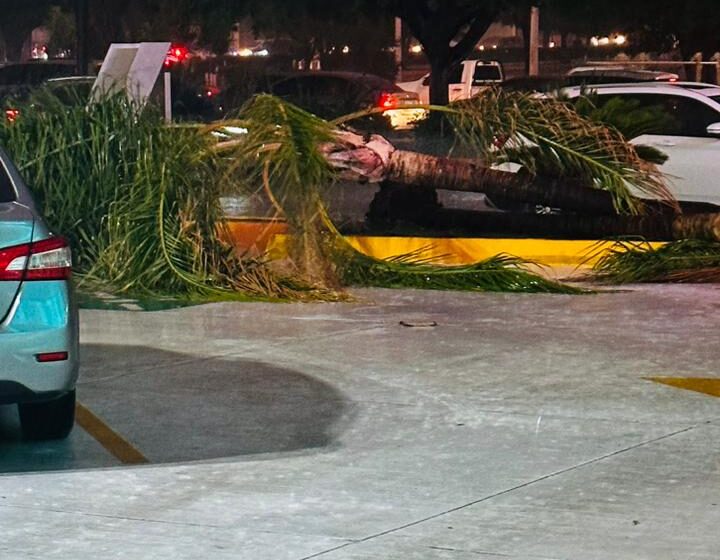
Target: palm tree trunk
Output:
{"points": [[412, 168], [552, 226], [697, 226]]}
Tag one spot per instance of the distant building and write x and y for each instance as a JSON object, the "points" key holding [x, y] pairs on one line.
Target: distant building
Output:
{"points": [[501, 35], [243, 41], [36, 47]]}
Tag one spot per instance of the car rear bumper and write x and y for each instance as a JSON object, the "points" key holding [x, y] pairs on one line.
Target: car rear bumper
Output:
{"points": [[43, 319]]}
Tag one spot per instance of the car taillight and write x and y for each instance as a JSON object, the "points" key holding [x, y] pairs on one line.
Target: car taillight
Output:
{"points": [[49, 259], [387, 101], [11, 114], [176, 54]]}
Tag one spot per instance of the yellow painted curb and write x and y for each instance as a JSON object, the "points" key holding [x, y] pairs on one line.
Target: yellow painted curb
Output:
{"points": [[458, 251]]}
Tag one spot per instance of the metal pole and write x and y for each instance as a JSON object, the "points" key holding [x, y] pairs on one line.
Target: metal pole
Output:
{"points": [[534, 46], [697, 59], [716, 59], [398, 49], [168, 97]]}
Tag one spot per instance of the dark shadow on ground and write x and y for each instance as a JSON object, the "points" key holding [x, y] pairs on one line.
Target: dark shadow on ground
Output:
{"points": [[176, 407]]}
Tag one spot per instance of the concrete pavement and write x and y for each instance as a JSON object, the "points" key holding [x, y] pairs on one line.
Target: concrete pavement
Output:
{"points": [[519, 427]]}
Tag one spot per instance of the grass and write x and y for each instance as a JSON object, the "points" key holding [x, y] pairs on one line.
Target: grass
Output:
{"points": [[139, 200]]}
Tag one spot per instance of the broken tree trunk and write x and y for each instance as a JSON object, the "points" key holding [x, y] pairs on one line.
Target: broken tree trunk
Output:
{"points": [[412, 168], [377, 160], [422, 170], [697, 226]]}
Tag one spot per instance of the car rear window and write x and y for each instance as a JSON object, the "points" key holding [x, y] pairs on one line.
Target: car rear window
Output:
{"points": [[486, 73], [7, 192]]}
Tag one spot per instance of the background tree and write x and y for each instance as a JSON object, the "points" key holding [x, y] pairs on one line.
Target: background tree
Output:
{"points": [[325, 28], [61, 26], [448, 31], [662, 25], [19, 19]]}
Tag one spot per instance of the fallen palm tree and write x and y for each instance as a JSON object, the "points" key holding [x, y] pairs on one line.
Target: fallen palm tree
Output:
{"points": [[294, 157], [568, 163], [141, 200]]}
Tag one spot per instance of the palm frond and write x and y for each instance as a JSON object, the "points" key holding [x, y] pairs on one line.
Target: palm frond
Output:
{"points": [[501, 273], [139, 200], [634, 261], [547, 136], [281, 154]]}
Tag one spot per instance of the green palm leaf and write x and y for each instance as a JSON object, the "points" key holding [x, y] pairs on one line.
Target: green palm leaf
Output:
{"points": [[548, 137], [634, 261]]}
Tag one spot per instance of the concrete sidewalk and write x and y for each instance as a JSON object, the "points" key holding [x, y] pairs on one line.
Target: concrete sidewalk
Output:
{"points": [[446, 426]]}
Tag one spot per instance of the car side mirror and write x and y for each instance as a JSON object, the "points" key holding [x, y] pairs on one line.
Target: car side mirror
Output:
{"points": [[713, 129]]}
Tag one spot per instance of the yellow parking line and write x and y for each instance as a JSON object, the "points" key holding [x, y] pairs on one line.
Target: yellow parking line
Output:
{"points": [[708, 386], [107, 437]]}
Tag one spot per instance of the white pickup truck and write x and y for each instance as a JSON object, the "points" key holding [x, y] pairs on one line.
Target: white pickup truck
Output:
{"points": [[466, 80]]}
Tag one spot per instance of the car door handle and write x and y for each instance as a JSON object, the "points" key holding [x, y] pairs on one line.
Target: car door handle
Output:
{"points": [[666, 143]]}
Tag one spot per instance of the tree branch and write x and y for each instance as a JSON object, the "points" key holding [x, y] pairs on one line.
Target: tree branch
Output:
{"points": [[477, 29]]}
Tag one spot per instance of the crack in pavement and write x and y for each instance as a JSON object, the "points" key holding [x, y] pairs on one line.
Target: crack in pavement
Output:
{"points": [[506, 491]]}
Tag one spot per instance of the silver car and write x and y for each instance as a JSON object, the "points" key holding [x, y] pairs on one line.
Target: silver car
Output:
{"points": [[38, 314]]}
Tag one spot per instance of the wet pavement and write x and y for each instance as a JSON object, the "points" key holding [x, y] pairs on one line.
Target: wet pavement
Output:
{"points": [[494, 426]]}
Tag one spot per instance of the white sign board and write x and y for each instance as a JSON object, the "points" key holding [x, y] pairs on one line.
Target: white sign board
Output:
{"points": [[130, 67]]}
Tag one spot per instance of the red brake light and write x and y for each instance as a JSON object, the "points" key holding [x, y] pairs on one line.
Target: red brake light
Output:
{"points": [[177, 53], [387, 101], [49, 259]]}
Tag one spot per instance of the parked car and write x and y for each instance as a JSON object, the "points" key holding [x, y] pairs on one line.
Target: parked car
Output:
{"points": [[584, 75], [38, 315], [189, 101], [333, 94], [466, 80], [690, 136], [17, 80]]}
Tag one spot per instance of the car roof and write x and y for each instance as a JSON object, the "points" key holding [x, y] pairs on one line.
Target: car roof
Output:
{"points": [[651, 87], [619, 69], [702, 94], [700, 87], [71, 80], [34, 73]]}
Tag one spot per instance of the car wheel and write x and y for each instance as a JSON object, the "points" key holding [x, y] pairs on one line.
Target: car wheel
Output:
{"points": [[48, 419]]}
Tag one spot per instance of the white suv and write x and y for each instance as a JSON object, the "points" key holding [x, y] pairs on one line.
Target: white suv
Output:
{"points": [[691, 139]]}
